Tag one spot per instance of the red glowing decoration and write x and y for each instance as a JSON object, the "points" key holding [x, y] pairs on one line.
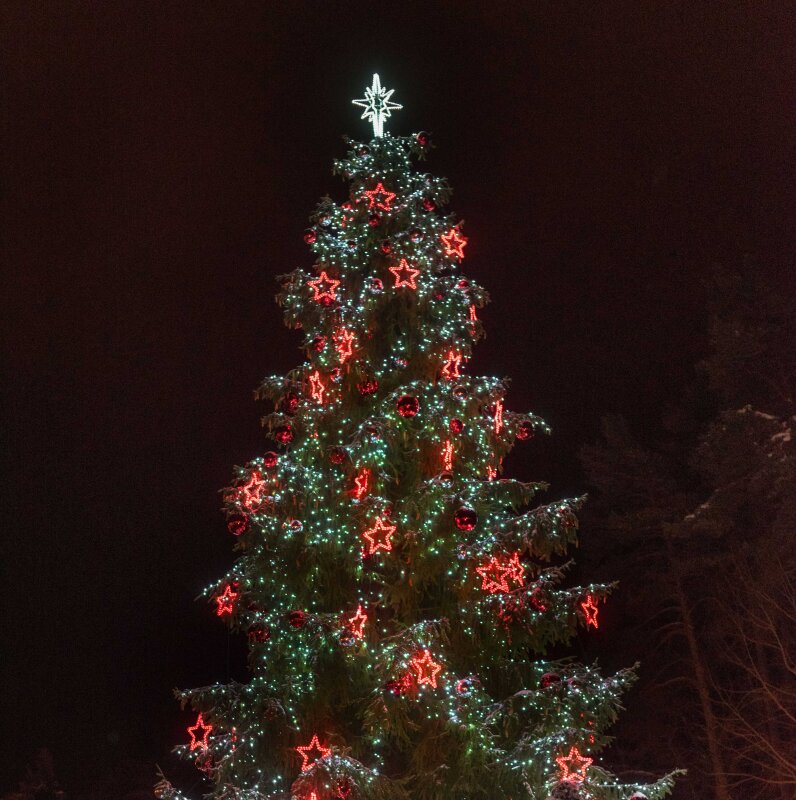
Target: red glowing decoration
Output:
{"points": [[465, 519], [574, 765], [297, 619], [199, 741], [454, 243], [456, 426], [308, 753], [447, 456], [324, 289], [342, 789], [251, 493], [319, 343], [450, 369], [379, 197], [284, 434], [379, 536], [426, 669], [317, 389], [405, 275], [361, 483], [226, 601], [337, 455], [491, 472], [498, 416], [270, 459], [429, 204], [237, 524], [356, 624], [473, 315], [499, 571], [590, 611], [344, 342], [525, 430], [407, 406], [259, 632], [310, 236]]}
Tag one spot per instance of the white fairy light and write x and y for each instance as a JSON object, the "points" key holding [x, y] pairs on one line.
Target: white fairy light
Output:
{"points": [[377, 105]]}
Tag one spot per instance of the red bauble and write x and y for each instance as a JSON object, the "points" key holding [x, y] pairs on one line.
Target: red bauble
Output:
{"points": [[259, 632], [376, 285], [438, 296], [270, 459], [456, 426], [429, 204], [550, 679], [374, 220], [237, 524], [385, 246], [319, 343], [342, 788], [337, 455], [397, 688], [539, 600], [422, 138], [290, 403], [298, 619], [310, 236], [408, 406], [525, 430], [284, 434], [463, 283], [368, 387], [465, 518]]}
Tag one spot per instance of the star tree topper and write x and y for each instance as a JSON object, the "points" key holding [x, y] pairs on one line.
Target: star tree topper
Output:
{"points": [[377, 105]]}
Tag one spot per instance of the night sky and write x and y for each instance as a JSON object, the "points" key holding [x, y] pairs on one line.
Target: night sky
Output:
{"points": [[159, 164]]}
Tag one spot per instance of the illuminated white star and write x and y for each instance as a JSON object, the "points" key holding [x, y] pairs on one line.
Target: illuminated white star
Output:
{"points": [[377, 105]]}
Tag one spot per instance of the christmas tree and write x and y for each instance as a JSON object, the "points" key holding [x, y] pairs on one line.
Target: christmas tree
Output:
{"points": [[397, 593]]}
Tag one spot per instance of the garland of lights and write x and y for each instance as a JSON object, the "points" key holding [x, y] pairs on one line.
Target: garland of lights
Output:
{"points": [[388, 581]]}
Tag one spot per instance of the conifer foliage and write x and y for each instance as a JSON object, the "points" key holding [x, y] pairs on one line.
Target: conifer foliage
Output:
{"points": [[398, 593]]}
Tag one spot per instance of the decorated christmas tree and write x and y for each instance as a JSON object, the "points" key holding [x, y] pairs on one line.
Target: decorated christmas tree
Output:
{"points": [[398, 594]]}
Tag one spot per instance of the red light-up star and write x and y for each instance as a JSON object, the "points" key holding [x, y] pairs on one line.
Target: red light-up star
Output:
{"points": [[514, 570], [405, 275], [447, 456], [324, 288], [426, 669], [356, 623], [574, 765], [453, 243], [308, 760], [317, 388], [473, 314], [361, 483], [493, 575], [252, 491], [590, 611], [344, 342], [378, 537], [199, 741], [450, 369], [226, 601], [385, 198], [498, 416]]}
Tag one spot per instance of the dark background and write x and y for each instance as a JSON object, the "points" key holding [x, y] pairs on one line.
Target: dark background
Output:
{"points": [[159, 163]]}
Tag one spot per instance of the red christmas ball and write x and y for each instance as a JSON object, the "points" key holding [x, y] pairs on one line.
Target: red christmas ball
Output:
{"points": [[293, 525], [319, 343], [385, 246], [237, 524], [429, 204], [575, 683], [408, 406], [376, 285], [397, 688], [525, 430], [422, 138], [342, 788], [463, 283], [284, 434], [259, 632], [310, 236], [298, 619], [290, 403], [374, 220], [456, 426], [550, 679], [368, 387], [465, 518], [270, 459], [337, 455], [539, 600]]}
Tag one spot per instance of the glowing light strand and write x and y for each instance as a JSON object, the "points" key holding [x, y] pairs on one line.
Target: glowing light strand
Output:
{"points": [[377, 104]]}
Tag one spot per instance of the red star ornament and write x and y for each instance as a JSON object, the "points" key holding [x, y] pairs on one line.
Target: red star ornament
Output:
{"points": [[306, 752], [199, 741], [450, 369], [356, 624], [226, 601], [454, 243], [514, 570], [405, 275], [378, 537], [251, 492], [344, 342], [317, 388], [574, 765], [426, 669], [361, 483], [590, 611], [447, 456], [379, 198], [324, 288], [493, 575]]}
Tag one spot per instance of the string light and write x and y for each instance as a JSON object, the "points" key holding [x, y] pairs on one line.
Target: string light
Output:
{"points": [[377, 104], [447, 456], [317, 389], [379, 198], [426, 669], [453, 243], [199, 741], [590, 611], [306, 750], [324, 288], [499, 416], [226, 601], [357, 622], [361, 482], [405, 275], [379, 536], [574, 765]]}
